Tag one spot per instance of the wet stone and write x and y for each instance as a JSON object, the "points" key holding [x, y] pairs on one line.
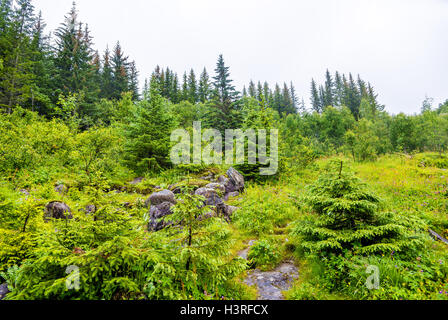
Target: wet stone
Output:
{"points": [[270, 284]]}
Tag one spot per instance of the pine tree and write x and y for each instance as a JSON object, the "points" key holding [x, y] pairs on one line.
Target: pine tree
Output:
{"points": [[73, 61], [204, 87], [185, 92], [146, 90], [362, 87], [107, 77], [294, 98], [277, 102], [148, 143], [372, 96], [329, 90], [287, 104], [192, 88], [120, 67], [223, 110], [346, 216], [175, 91], [315, 99], [302, 108], [17, 72], [42, 91], [267, 94], [260, 95], [339, 89], [252, 90], [352, 97], [133, 81]]}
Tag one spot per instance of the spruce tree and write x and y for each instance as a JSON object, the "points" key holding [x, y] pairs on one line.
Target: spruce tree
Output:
{"points": [[339, 89], [352, 97], [133, 81], [107, 77], [315, 99], [346, 216], [267, 94], [43, 68], [322, 98], [252, 90], [277, 102], [175, 91], [185, 92], [294, 98], [329, 90], [192, 88], [204, 87], [223, 110], [148, 143], [260, 92], [75, 71], [17, 68], [120, 67], [288, 103]]}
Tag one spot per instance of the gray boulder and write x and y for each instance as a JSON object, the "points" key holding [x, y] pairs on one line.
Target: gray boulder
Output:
{"points": [[160, 204], [211, 196], [161, 210], [157, 213], [58, 210], [3, 291], [223, 180], [161, 197], [236, 181]]}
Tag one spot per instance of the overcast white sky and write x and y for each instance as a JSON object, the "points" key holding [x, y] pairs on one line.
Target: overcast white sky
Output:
{"points": [[400, 46]]}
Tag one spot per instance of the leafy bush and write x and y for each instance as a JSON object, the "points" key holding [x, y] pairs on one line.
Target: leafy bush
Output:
{"points": [[264, 254]]}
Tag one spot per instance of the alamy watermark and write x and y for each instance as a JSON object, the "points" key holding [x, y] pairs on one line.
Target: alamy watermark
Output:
{"points": [[373, 281], [262, 148], [73, 280]]}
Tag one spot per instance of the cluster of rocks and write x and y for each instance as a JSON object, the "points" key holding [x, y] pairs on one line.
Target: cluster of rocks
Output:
{"points": [[160, 204], [215, 194]]}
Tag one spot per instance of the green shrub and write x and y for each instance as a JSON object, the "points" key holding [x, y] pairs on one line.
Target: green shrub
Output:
{"points": [[346, 216], [264, 254], [436, 160], [264, 208], [420, 277]]}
